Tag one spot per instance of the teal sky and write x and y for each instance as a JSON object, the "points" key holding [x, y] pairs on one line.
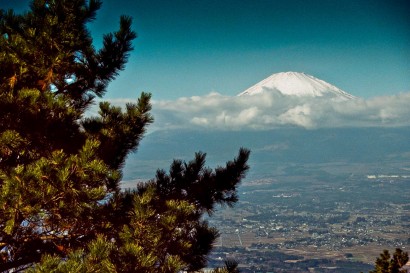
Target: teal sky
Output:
{"points": [[191, 47]]}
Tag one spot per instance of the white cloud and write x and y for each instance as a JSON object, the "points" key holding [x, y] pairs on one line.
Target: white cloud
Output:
{"points": [[299, 115], [271, 110]]}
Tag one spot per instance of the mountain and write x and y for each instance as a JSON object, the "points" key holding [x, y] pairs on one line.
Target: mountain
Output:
{"points": [[297, 84]]}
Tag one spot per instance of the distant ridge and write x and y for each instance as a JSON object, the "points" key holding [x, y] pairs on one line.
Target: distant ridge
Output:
{"points": [[297, 84]]}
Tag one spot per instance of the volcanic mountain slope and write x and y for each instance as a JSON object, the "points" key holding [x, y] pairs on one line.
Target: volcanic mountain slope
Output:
{"points": [[297, 84]]}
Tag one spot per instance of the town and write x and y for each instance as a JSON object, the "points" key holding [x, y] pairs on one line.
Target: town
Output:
{"points": [[328, 223]]}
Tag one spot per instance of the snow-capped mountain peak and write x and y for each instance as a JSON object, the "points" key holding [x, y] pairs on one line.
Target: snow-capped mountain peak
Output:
{"points": [[297, 84]]}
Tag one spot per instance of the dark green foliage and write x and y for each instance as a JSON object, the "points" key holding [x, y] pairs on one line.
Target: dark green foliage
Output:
{"points": [[61, 207], [193, 184], [50, 48], [232, 266], [391, 264]]}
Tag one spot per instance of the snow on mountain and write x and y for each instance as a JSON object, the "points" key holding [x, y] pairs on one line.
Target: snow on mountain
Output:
{"points": [[297, 84]]}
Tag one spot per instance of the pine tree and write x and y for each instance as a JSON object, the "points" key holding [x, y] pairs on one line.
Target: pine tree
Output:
{"points": [[61, 206], [391, 264]]}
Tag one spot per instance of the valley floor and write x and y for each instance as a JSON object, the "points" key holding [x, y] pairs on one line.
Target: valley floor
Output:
{"points": [[315, 222]]}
